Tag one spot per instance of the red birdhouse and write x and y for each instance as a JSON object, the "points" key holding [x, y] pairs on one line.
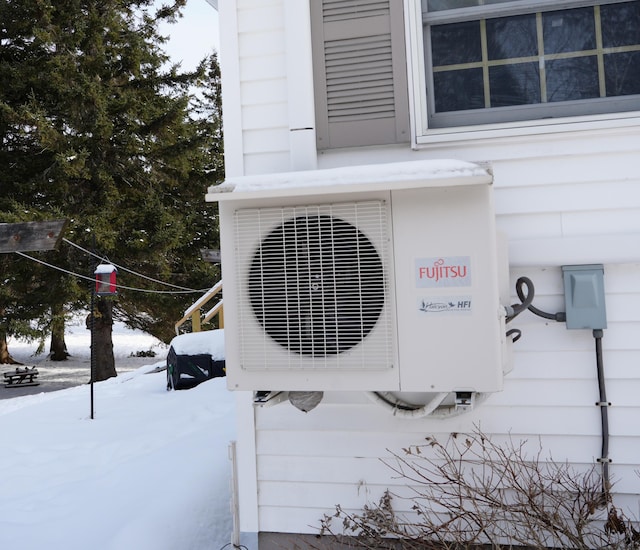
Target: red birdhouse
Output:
{"points": [[106, 280]]}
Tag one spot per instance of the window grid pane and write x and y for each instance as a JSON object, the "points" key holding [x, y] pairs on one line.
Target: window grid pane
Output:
{"points": [[547, 57]]}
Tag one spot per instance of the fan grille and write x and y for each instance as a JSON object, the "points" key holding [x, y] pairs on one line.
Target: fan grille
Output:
{"points": [[316, 283]]}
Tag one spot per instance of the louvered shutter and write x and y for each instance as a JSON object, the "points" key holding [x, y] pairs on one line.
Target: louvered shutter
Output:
{"points": [[360, 72]]}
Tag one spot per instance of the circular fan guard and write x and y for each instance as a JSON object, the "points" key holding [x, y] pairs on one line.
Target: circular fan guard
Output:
{"points": [[317, 285]]}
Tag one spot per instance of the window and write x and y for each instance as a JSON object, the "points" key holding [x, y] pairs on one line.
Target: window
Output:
{"points": [[503, 61]]}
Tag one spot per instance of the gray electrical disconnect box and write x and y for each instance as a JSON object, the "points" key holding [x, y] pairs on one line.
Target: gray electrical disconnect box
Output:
{"points": [[584, 296]]}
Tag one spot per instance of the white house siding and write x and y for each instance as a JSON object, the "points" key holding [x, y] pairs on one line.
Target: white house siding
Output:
{"points": [[255, 100], [308, 463], [562, 197]]}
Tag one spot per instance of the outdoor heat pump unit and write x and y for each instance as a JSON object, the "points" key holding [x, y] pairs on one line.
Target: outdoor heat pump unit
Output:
{"points": [[374, 278]]}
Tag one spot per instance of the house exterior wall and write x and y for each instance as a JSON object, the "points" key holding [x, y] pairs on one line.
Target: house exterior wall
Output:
{"points": [[563, 195]]}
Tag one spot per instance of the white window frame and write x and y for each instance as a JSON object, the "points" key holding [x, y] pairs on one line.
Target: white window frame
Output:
{"points": [[423, 135]]}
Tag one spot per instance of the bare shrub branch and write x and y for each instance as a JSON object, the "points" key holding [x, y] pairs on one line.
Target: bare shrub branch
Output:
{"points": [[471, 492]]}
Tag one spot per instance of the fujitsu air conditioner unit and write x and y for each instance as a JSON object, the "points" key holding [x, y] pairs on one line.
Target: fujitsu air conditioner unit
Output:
{"points": [[377, 278]]}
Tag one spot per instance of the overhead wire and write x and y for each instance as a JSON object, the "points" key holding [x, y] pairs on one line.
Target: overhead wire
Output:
{"points": [[150, 291], [126, 269]]}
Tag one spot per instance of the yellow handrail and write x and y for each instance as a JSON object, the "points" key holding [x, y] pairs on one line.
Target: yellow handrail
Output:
{"points": [[193, 312]]}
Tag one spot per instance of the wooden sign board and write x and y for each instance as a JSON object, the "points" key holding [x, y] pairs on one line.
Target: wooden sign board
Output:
{"points": [[31, 236], [210, 255]]}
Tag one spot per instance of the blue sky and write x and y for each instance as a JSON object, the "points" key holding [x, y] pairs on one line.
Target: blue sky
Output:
{"points": [[194, 35]]}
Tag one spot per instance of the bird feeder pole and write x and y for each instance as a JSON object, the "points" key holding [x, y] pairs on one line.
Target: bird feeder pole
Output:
{"points": [[105, 285]]}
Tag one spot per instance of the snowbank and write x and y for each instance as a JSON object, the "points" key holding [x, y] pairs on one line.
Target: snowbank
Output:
{"points": [[151, 471]]}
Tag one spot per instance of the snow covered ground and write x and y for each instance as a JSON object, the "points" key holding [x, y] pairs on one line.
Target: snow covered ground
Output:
{"points": [[57, 375], [149, 472]]}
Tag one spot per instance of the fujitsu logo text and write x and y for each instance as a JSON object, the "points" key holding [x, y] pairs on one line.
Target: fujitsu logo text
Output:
{"points": [[441, 271]]}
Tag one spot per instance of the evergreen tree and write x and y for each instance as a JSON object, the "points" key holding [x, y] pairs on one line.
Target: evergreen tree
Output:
{"points": [[95, 126]]}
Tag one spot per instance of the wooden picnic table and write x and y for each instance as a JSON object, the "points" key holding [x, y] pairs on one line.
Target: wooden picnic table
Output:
{"points": [[21, 377]]}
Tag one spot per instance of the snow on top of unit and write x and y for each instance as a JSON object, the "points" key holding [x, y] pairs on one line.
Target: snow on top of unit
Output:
{"points": [[197, 343], [395, 172]]}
